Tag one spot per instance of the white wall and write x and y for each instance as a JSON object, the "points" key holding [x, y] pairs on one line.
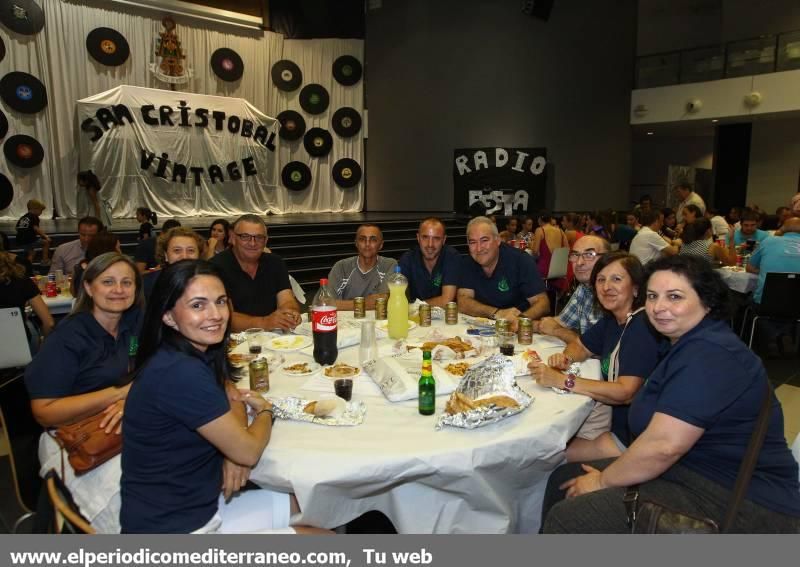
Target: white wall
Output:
{"points": [[774, 163]]}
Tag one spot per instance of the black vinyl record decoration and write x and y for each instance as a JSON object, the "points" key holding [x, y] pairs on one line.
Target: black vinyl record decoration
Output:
{"points": [[318, 142], [108, 46], [227, 64], [3, 125], [346, 173], [347, 70], [2, 49], [6, 192], [23, 92], [314, 99], [22, 16], [23, 151], [286, 75], [293, 125], [346, 122], [296, 176]]}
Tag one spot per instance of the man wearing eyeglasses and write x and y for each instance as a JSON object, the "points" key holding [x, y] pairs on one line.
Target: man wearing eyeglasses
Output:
{"points": [[364, 275], [581, 311], [499, 282], [257, 282]]}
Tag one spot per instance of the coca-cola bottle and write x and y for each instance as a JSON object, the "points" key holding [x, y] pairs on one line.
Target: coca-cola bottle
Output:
{"points": [[323, 324]]}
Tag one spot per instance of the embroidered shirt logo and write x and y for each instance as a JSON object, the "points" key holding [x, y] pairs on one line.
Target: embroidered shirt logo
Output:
{"points": [[502, 285], [437, 280]]}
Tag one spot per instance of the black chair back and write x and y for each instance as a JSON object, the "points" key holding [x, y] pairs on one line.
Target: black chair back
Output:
{"points": [[781, 296], [23, 434]]}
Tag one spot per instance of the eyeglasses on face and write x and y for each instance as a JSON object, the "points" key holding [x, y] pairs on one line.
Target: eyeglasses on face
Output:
{"points": [[587, 255], [244, 237]]}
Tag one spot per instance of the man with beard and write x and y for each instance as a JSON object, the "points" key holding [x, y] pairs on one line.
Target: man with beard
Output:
{"points": [[432, 268]]}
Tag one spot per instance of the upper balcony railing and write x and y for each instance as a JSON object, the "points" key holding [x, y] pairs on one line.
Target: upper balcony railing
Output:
{"points": [[765, 54]]}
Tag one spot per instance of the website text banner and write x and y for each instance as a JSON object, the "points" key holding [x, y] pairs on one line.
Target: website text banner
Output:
{"points": [[391, 551], [178, 153]]}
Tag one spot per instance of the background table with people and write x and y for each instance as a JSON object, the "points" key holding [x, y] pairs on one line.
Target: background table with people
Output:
{"points": [[486, 480]]}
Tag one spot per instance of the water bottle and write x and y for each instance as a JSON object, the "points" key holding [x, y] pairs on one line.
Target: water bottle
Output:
{"points": [[397, 305], [323, 324]]}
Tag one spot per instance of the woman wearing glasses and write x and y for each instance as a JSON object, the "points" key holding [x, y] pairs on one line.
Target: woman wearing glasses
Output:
{"points": [[628, 349]]}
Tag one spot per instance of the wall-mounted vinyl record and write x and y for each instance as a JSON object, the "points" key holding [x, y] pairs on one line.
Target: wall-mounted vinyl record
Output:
{"points": [[22, 16], [2, 49], [293, 126], [23, 92], [3, 125], [296, 176], [346, 173], [314, 99], [6, 192], [23, 151], [346, 122], [347, 70], [318, 142], [108, 46], [286, 75], [227, 64]]}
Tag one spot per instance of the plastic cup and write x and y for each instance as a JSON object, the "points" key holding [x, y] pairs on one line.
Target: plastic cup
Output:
{"points": [[488, 340], [343, 387], [255, 340], [505, 340]]}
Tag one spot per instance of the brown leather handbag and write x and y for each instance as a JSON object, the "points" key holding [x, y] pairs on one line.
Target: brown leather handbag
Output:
{"points": [[87, 445]]}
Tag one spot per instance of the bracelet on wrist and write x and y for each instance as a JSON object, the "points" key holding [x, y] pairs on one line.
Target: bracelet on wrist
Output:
{"points": [[265, 410]]}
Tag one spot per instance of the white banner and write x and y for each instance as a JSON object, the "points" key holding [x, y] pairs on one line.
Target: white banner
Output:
{"points": [[179, 153]]}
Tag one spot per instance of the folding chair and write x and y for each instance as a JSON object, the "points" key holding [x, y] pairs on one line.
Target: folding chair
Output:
{"points": [[559, 260], [779, 300], [22, 434], [68, 517], [15, 351]]}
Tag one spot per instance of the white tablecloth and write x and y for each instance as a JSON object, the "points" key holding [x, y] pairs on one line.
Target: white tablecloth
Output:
{"points": [[60, 304], [741, 281], [487, 480]]}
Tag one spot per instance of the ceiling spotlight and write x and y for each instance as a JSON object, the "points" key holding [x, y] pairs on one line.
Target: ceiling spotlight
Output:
{"points": [[714, 120], [649, 133]]}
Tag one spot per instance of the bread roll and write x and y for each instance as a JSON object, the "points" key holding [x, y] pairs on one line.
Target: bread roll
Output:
{"points": [[333, 407]]}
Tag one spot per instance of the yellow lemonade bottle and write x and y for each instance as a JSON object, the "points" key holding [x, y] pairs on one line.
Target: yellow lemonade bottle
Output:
{"points": [[397, 306]]}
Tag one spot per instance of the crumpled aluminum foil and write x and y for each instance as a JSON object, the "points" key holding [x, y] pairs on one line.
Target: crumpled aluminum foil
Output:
{"points": [[492, 377], [292, 408], [574, 368]]}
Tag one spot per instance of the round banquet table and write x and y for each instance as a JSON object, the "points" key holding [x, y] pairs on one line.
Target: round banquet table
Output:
{"points": [[738, 280], [485, 480]]}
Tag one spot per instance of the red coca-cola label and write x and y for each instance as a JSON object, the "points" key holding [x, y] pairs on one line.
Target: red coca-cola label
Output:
{"points": [[323, 319]]}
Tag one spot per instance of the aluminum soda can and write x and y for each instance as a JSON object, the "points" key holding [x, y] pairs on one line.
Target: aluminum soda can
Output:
{"points": [[359, 308], [501, 326], [424, 315], [380, 309], [525, 331], [259, 375], [451, 313]]}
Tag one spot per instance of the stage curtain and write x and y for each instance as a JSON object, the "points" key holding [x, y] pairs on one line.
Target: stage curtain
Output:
{"points": [[58, 57]]}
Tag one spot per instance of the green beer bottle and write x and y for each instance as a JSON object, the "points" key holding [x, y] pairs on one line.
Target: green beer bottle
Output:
{"points": [[427, 386]]}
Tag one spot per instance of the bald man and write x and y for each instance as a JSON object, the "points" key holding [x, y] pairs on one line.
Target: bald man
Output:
{"points": [[776, 254], [581, 311], [433, 267]]}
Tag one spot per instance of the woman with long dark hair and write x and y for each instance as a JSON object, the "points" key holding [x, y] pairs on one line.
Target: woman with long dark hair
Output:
{"points": [[184, 416], [218, 238]]}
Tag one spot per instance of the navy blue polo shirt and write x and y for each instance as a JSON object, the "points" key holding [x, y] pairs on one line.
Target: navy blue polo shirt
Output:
{"points": [[711, 380], [639, 354], [514, 280], [423, 284], [171, 475], [80, 356], [253, 296]]}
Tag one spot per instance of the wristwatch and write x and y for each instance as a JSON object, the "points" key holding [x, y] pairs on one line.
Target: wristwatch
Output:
{"points": [[569, 382], [493, 316]]}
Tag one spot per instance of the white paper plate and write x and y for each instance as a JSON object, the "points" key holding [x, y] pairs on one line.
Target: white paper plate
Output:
{"points": [[312, 366], [288, 343], [384, 325]]}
